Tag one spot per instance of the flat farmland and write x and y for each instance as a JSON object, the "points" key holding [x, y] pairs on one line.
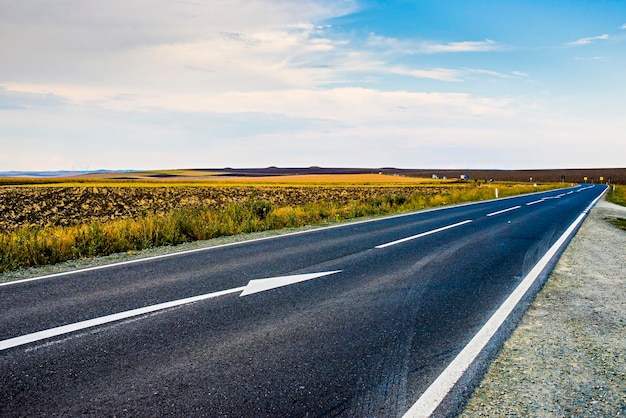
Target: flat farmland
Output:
{"points": [[47, 221], [41, 206]]}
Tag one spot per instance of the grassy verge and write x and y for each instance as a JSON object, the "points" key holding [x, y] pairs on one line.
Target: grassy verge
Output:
{"points": [[36, 246], [617, 195], [619, 222]]}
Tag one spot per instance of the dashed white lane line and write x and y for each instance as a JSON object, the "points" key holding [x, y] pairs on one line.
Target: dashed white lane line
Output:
{"points": [[535, 202], [423, 234], [503, 211]]}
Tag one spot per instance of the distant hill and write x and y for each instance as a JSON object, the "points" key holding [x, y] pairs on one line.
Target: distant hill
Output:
{"points": [[52, 174], [573, 175]]}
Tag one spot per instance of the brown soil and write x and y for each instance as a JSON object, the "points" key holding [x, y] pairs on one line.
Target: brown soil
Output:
{"points": [[64, 206]]}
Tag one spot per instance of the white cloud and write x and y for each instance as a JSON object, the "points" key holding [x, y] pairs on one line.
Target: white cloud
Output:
{"points": [[208, 48], [282, 57], [140, 42], [117, 24], [412, 47], [468, 46], [355, 126], [345, 105], [440, 74], [82, 78], [623, 26], [278, 127], [586, 41], [452, 75]]}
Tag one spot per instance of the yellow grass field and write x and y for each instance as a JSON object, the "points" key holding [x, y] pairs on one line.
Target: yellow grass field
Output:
{"points": [[190, 178], [46, 221], [329, 179]]}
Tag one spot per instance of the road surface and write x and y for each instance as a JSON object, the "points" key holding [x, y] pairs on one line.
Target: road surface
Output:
{"points": [[353, 320]]}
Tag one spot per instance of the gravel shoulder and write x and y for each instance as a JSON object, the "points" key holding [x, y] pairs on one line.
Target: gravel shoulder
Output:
{"points": [[566, 358]]}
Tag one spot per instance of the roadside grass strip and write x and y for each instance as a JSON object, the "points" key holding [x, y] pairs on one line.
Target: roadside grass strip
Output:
{"points": [[72, 223]]}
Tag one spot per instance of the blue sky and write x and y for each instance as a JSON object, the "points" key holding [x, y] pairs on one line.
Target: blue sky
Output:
{"points": [[147, 84]]}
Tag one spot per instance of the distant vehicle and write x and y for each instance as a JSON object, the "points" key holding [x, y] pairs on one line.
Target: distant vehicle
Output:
{"points": [[464, 176]]}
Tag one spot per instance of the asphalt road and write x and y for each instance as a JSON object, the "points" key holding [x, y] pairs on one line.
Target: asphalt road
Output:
{"points": [[395, 302]]}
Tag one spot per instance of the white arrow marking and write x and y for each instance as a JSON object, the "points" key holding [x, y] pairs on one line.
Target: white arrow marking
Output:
{"points": [[254, 286], [261, 285]]}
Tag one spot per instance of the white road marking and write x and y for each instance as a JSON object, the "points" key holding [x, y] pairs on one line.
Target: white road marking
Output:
{"points": [[535, 202], [439, 389], [423, 234], [66, 329], [254, 286], [503, 211], [261, 285]]}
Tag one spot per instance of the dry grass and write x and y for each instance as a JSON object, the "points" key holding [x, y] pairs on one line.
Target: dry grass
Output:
{"points": [[330, 179], [50, 224], [617, 195], [180, 179]]}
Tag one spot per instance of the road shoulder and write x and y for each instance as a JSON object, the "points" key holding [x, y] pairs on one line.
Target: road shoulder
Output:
{"points": [[566, 356]]}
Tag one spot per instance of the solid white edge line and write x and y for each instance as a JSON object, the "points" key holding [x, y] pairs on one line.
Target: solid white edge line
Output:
{"points": [[423, 234], [503, 211], [66, 329], [439, 389], [230, 244]]}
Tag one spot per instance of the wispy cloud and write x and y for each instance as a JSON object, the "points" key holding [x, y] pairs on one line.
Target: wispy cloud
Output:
{"points": [[346, 105], [467, 46], [412, 47], [440, 74], [586, 41], [454, 75], [623, 26]]}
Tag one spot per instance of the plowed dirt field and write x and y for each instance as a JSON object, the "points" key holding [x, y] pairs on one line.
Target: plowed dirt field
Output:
{"points": [[65, 206]]}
